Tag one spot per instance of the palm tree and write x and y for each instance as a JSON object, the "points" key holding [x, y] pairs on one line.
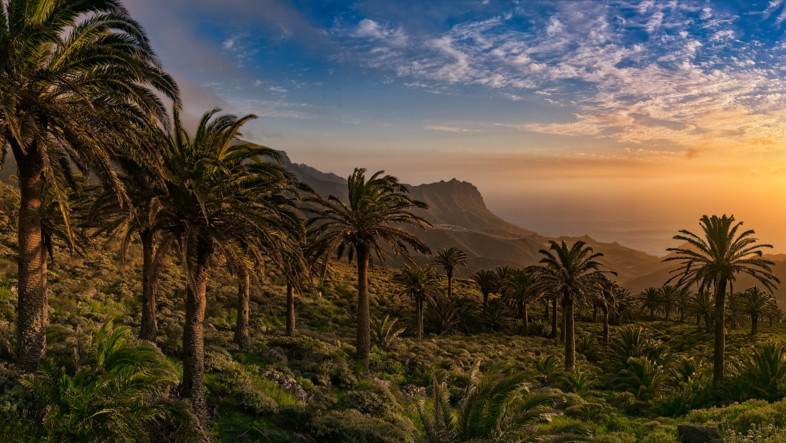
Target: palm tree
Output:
{"points": [[773, 312], [377, 210], [494, 407], [754, 303], [624, 304], [487, 283], [520, 291], [420, 283], [713, 260], [650, 300], [75, 88], [668, 296], [297, 268], [682, 298], [140, 219], [222, 197], [574, 273], [606, 299], [701, 306], [449, 259]]}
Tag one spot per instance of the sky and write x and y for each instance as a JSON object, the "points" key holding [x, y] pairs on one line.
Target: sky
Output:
{"points": [[624, 120]]}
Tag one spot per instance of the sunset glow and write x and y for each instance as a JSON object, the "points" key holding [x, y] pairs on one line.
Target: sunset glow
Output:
{"points": [[622, 120]]}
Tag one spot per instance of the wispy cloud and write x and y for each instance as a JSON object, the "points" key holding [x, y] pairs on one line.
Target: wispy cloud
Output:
{"points": [[453, 129], [686, 79]]}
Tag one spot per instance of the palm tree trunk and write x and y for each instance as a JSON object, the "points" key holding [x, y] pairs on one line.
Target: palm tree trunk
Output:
{"points": [[708, 322], [526, 320], [606, 335], [148, 328], [290, 309], [363, 341], [450, 283], [241, 327], [719, 359], [754, 324], [570, 335], [485, 298], [554, 317], [419, 309], [563, 322], [193, 332], [32, 303]]}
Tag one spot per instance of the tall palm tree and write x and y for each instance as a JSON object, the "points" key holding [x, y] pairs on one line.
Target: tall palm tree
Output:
{"points": [[420, 283], [139, 219], [520, 286], [487, 283], [223, 197], [754, 302], [650, 300], [76, 80], [378, 209], [298, 267], [714, 259], [450, 259], [575, 274]]}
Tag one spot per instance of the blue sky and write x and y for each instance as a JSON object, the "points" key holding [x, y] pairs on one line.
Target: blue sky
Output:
{"points": [[568, 115]]}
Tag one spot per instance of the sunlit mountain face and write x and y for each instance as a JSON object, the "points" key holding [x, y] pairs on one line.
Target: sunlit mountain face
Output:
{"points": [[624, 120]]}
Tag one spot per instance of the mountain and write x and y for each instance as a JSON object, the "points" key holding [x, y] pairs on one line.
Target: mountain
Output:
{"points": [[460, 218]]}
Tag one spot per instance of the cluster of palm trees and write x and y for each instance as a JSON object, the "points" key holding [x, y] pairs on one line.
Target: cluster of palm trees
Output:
{"points": [[568, 274], [751, 305], [81, 90]]}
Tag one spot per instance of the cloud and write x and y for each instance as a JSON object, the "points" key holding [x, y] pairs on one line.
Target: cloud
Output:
{"points": [[452, 129], [371, 29], [678, 87]]}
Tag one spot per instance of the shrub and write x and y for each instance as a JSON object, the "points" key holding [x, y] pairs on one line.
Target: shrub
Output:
{"points": [[116, 395], [352, 426]]}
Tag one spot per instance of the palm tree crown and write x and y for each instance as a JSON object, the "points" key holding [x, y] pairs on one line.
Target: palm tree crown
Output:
{"points": [[487, 282], [449, 259]]}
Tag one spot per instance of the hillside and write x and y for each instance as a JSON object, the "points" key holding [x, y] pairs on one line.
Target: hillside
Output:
{"points": [[460, 218]]}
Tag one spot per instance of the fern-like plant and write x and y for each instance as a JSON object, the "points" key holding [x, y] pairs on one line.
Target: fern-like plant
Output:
{"points": [[495, 407], [117, 395], [385, 332], [762, 372]]}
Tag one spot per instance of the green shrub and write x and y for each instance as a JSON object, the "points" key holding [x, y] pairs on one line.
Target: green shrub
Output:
{"points": [[118, 394], [352, 426]]}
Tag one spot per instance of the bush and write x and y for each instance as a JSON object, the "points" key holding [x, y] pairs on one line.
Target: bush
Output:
{"points": [[118, 394], [352, 426]]}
